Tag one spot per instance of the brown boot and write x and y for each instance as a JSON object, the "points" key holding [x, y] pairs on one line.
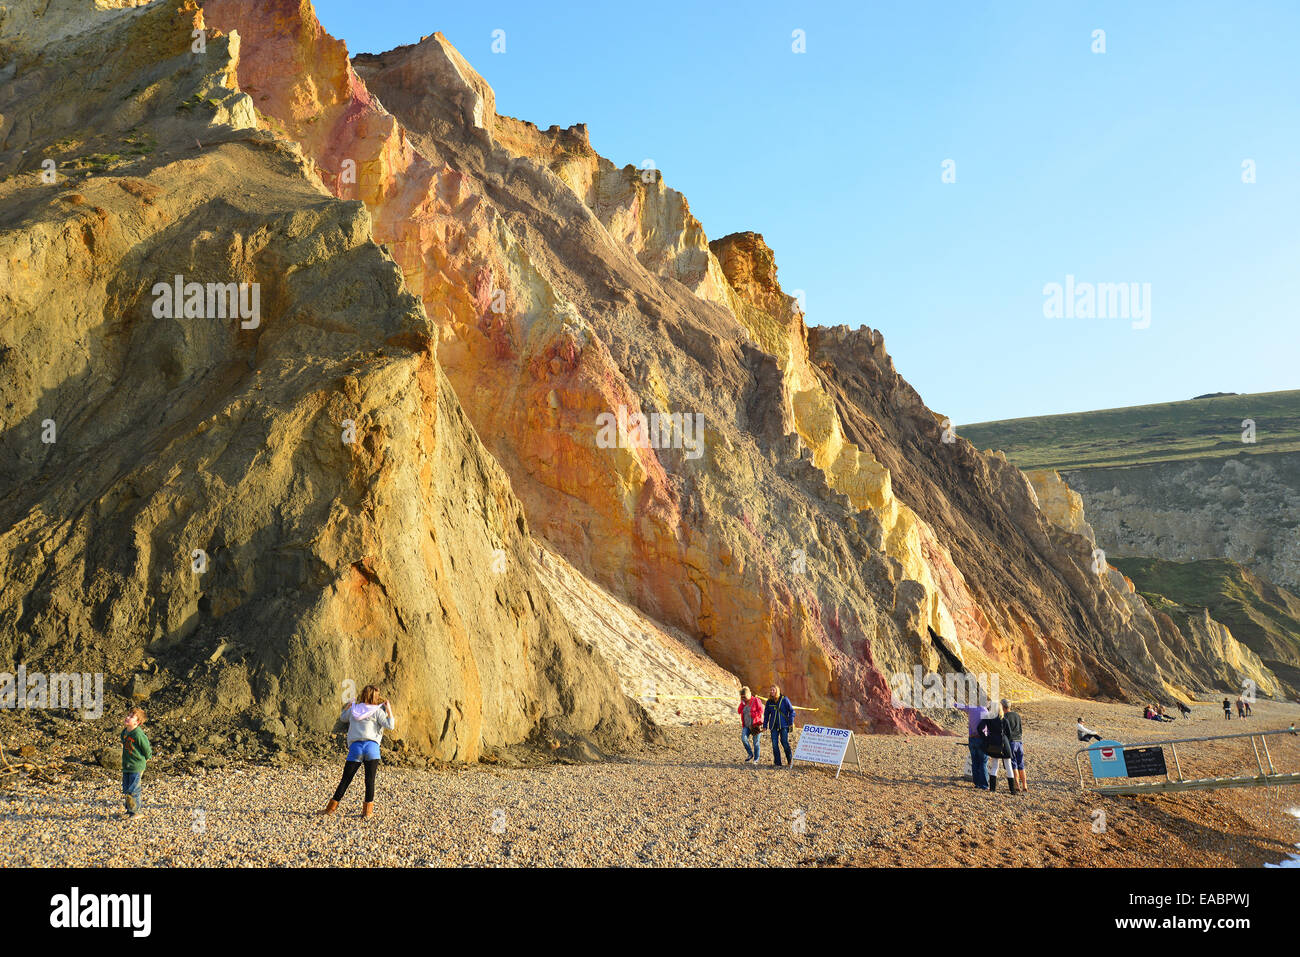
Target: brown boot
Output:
{"points": [[368, 809], [330, 808]]}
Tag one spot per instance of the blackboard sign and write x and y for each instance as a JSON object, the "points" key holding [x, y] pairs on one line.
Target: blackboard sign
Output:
{"points": [[1144, 762]]}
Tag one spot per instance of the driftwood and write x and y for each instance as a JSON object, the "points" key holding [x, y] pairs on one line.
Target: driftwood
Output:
{"points": [[45, 772]]}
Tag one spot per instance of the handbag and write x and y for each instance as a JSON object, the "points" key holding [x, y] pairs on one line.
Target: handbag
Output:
{"points": [[994, 747]]}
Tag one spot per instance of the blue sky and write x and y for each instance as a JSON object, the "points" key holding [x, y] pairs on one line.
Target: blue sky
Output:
{"points": [[1123, 166]]}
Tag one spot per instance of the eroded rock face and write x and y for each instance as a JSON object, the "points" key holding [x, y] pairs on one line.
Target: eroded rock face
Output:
{"points": [[539, 311], [1023, 546], [1216, 593], [775, 320], [273, 506], [567, 292], [1062, 505], [668, 672], [1246, 509], [803, 515], [1196, 652]]}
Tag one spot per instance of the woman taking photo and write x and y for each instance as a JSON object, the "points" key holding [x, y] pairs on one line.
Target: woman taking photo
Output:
{"points": [[367, 719]]}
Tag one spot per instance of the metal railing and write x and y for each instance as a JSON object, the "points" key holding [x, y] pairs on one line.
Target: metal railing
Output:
{"points": [[1269, 777]]}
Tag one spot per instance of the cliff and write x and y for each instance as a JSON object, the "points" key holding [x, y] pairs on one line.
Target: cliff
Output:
{"points": [[1244, 509], [276, 508], [528, 346], [1262, 616], [1212, 477]]}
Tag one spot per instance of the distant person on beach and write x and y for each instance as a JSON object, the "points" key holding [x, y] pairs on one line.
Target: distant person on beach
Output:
{"points": [[996, 746], [751, 725], [778, 716], [1247, 702], [1160, 714], [367, 719], [1227, 710], [1014, 729], [1085, 733], [136, 752], [1241, 708], [975, 741]]}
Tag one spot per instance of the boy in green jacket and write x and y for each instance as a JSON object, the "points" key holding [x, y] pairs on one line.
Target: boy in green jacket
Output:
{"points": [[135, 752]]}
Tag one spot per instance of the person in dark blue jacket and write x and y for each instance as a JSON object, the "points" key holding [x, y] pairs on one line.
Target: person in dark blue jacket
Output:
{"points": [[778, 715]]}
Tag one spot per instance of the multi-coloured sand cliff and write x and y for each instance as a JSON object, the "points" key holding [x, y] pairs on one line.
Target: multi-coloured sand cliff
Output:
{"points": [[474, 337]]}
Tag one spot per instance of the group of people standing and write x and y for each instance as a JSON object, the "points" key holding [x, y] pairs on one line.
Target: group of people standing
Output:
{"points": [[1243, 709], [775, 716], [995, 737]]}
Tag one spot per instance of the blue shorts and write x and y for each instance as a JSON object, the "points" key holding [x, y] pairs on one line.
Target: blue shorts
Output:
{"points": [[1017, 756], [363, 751]]}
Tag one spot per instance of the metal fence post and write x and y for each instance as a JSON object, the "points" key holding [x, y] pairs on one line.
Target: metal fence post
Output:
{"points": [[1271, 769], [1257, 758]]}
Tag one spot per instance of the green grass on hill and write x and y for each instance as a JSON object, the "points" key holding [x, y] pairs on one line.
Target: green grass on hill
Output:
{"points": [[1169, 431], [1262, 616]]}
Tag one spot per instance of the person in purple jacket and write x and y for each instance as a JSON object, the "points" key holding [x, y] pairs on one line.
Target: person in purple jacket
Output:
{"points": [[974, 715]]}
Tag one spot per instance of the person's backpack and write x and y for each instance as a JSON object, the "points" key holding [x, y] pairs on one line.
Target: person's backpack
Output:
{"points": [[995, 744]]}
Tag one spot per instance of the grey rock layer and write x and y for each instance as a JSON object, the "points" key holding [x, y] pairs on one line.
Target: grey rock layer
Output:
{"points": [[1245, 508]]}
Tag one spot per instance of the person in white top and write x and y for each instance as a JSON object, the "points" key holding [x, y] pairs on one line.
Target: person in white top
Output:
{"points": [[1085, 733], [367, 719]]}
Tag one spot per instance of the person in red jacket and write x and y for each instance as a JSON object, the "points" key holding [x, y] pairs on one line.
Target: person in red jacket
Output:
{"points": [[751, 724]]}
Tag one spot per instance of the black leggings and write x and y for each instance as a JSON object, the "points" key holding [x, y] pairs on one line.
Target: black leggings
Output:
{"points": [[349, 772]]}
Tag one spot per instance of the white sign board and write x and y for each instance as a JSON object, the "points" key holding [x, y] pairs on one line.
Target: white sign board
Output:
{"points": [[820, 745]]}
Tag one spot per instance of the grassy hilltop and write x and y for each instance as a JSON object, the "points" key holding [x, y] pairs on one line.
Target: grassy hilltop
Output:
{"points": [[1167, 431]]}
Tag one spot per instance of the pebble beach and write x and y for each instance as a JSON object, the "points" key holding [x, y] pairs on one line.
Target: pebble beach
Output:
{"points": [[690, 802]]}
